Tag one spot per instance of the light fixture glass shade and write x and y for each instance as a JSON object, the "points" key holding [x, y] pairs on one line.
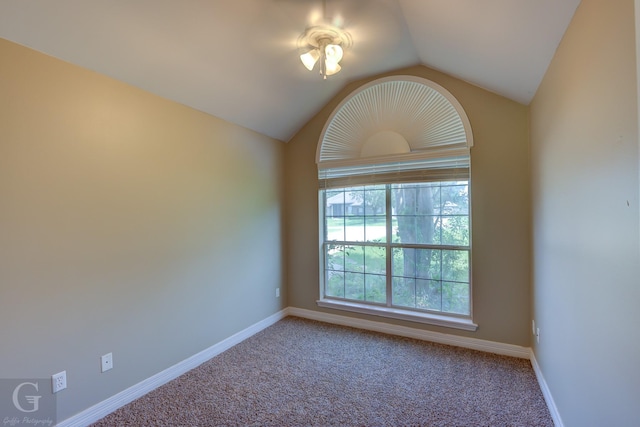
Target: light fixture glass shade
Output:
{"points": [[310, 58], [331, 67], [333, 52]]}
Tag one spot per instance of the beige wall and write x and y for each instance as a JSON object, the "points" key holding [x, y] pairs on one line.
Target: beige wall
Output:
{"points": [[586, 269], [500, 204], [128, 224]]}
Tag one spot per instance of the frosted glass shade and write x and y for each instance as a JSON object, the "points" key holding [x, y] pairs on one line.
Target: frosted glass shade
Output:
{"points": [[333, 53], [331, 67], [310, 58]]}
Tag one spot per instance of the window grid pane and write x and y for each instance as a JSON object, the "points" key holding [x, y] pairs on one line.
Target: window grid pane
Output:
{"points": [[431, 213], [356, 272], [355, 214]]}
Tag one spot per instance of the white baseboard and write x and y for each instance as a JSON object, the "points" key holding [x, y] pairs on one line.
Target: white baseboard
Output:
{"points": [[551, 404], [471, 343], [116, 401]]}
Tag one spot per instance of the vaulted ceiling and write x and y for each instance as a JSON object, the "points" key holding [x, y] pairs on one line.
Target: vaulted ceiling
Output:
{"points": [[238, 59]]}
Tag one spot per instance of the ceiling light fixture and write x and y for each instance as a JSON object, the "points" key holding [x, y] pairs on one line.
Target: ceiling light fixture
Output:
{"points": [[324, 44]]}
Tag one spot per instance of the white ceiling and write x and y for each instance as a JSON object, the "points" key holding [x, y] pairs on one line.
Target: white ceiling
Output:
{"points": [[238, 59]]}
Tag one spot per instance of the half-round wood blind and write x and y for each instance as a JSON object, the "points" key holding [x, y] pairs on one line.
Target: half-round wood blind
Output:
{"points": [[391, 122]]}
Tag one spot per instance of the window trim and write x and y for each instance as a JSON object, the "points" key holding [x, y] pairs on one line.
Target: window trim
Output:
{"points": [[421, 148], [450, 320]]}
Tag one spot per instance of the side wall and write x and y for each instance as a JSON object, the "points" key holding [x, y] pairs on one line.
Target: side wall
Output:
{"points": [[129, 224], [586, 269], [500, 204]]}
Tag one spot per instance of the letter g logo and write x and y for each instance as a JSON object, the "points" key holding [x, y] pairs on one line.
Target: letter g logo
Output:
{"points": [[33, 400]]}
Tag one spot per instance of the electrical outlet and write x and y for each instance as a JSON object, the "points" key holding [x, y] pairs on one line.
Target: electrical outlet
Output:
{"points": [[107, 362], [59, 381], [277, 292], [538, 335]]}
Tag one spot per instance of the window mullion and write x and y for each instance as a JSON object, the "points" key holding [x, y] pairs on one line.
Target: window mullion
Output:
{"points": [[389, 220]]}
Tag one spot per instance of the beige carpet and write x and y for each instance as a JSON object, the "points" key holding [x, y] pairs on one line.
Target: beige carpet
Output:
{"points": [[305, 373]]}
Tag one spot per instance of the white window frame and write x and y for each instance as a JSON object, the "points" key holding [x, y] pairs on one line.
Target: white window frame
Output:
{"points": [[396, 126], [387, 310]]}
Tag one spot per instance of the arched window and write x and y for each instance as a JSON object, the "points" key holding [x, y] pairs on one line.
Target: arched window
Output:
{"points": [[394, 178]]}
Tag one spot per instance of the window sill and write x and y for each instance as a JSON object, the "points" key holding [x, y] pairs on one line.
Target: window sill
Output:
{"points": [[395, 313]]}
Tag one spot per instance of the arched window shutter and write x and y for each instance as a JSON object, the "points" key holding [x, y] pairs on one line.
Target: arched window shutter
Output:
{"points": [[395, 129]]}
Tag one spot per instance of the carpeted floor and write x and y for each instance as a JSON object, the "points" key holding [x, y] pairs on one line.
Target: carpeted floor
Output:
{"points": [[304, 373]]}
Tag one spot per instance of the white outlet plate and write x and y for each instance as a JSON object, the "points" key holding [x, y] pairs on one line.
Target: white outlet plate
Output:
{"points": [[277, 292], [107, 362], [538, 335], [59, 381]]}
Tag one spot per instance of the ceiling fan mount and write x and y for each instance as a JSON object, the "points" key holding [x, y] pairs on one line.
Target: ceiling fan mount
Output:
{"points": [[317, 35]]}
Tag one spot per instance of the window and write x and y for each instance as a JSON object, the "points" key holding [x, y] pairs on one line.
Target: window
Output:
{"points": [[399, 246], [394, 194]]}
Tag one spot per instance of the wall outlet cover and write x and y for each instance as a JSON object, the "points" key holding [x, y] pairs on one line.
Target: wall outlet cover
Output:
{"points": [[106, 362], [59, 381]]}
